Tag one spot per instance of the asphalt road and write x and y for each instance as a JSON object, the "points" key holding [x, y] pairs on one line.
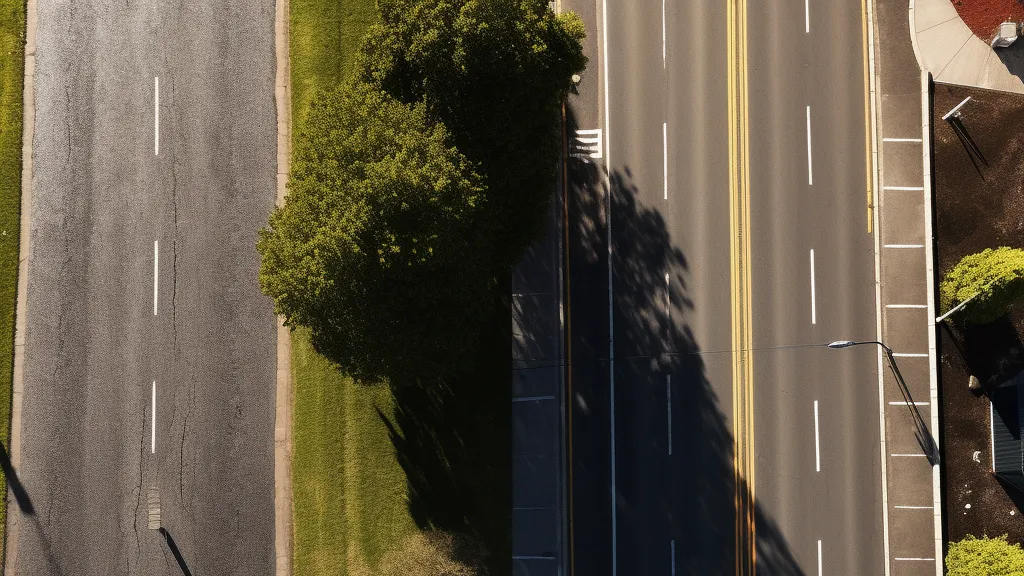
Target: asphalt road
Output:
{"points": [[666, 153], [112, 316]]}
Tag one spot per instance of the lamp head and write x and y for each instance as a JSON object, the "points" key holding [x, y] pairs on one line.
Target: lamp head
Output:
{"points": [[841, 344]]}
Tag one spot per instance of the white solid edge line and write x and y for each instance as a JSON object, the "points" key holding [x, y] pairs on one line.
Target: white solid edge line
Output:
{"points": [[152, 426], [905, 403], [664, 145], [611, 318], [909, 355], [156, 115], [912, 559], [901, 139], [904, 246], [807, 28], [819, 557], [668, 402], [817, 444], [672, 547], [916, 306], [156, 273], [663, 36], [908, 455], [814, 301], [904, 188], [810, 170], [914, 507]]}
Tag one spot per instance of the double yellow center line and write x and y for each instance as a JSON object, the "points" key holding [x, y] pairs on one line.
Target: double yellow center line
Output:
{"points": [[739, 272]]}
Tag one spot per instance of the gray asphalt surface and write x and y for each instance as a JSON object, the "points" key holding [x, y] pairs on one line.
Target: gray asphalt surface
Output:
{"points": [[94, 347], [679, 508]]}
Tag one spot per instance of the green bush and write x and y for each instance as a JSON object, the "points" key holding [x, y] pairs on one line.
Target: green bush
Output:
{"points": [[984, 557], [996, 276]]}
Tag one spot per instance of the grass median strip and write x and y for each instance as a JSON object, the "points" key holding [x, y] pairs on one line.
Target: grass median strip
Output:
{"points": [[12, 60]]}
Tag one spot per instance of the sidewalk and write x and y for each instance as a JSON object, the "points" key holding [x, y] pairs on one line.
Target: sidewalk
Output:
{"points": [[947, 48]]}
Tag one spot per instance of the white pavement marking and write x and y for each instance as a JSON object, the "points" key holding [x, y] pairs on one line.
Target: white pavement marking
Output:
{"points": [[664, 144], [672, 547], [532, 398], [915, 507], [814, 301], [901, 139], [810, 171], [152, 426], [906, 305], [904, 188], [817, 444], [914, 559], [156, 272], [908, 455], [905, 403], [904, 245], [613, 495], [807, 17], [909, 355], [663, 34], [819, 557], [668, 396], [156, 116]]}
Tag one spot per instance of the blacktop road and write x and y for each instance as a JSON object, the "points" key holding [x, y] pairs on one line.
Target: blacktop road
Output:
{"points": [[664, 121], [150, 352]]}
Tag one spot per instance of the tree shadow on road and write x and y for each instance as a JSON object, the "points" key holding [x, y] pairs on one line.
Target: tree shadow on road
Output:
{"points": [[670, 508]]}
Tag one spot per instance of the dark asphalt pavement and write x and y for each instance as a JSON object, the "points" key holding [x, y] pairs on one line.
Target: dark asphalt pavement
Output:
{"points": [[101, 197], [667, 128]]}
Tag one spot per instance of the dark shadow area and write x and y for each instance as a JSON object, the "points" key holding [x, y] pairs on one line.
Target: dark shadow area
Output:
{"points": [[175, 552], [453, 440], [689, 497], [973, 152], [20, 494], [1013, 58], [993, 352]]}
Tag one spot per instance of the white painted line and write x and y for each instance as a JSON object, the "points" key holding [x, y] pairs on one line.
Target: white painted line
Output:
{"points": [[810, 170], [156, 116], [613, 493], [532, 398], [908, 188], [906, 306], [909, 355], [814, 300], [664, 145], [668, 402], [819, 557], [156, 272], [913, 559], [905, 403], [901, 139], [915, 507], [152, 426], [807, 24], [663, 34], [904, 245], [908, 455], [672, 545], [817, 446]]}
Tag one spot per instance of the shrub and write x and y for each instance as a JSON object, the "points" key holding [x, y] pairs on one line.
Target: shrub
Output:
{"points": [[995, 275]]}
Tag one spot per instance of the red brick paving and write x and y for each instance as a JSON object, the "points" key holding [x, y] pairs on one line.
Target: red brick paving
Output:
{"points": [[983, 17]]}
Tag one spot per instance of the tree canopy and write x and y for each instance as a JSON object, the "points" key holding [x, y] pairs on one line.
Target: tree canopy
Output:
{"points": [[984, 557], [996, 276], [370, 250]]}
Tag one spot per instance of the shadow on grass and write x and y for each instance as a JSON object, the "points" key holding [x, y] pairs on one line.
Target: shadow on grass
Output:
{"points": [[453, 440], [679, 508]]}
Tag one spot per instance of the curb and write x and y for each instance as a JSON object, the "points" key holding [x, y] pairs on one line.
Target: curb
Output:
{"points": [[20, 324], [913, 36], [283, 522]]}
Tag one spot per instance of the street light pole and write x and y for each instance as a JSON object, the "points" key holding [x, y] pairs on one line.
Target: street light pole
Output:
{"points": [[924, 437]]}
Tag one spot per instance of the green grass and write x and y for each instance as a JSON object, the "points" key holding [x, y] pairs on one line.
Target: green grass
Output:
{"points": [[350, 491], [12, 61], [325, 35]]}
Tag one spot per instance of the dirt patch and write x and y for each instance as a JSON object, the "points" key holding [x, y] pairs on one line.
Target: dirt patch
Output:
{"points": [[983, 17], [979, 203]]}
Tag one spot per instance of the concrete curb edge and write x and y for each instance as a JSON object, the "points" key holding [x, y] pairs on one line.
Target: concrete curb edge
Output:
{"points": [[17, 384], [283, 521]]}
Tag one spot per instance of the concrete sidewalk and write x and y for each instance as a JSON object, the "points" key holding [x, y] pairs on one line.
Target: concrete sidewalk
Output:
{"points": [[947, 48]]}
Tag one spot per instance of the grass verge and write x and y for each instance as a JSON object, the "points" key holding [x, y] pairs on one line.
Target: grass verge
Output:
{"points": [[378, 472], [12, 62]]}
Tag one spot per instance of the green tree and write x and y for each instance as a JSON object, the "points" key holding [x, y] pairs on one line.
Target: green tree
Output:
{"points": [[373, 247], [996, 276], [495, 73], [984, 557]]}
